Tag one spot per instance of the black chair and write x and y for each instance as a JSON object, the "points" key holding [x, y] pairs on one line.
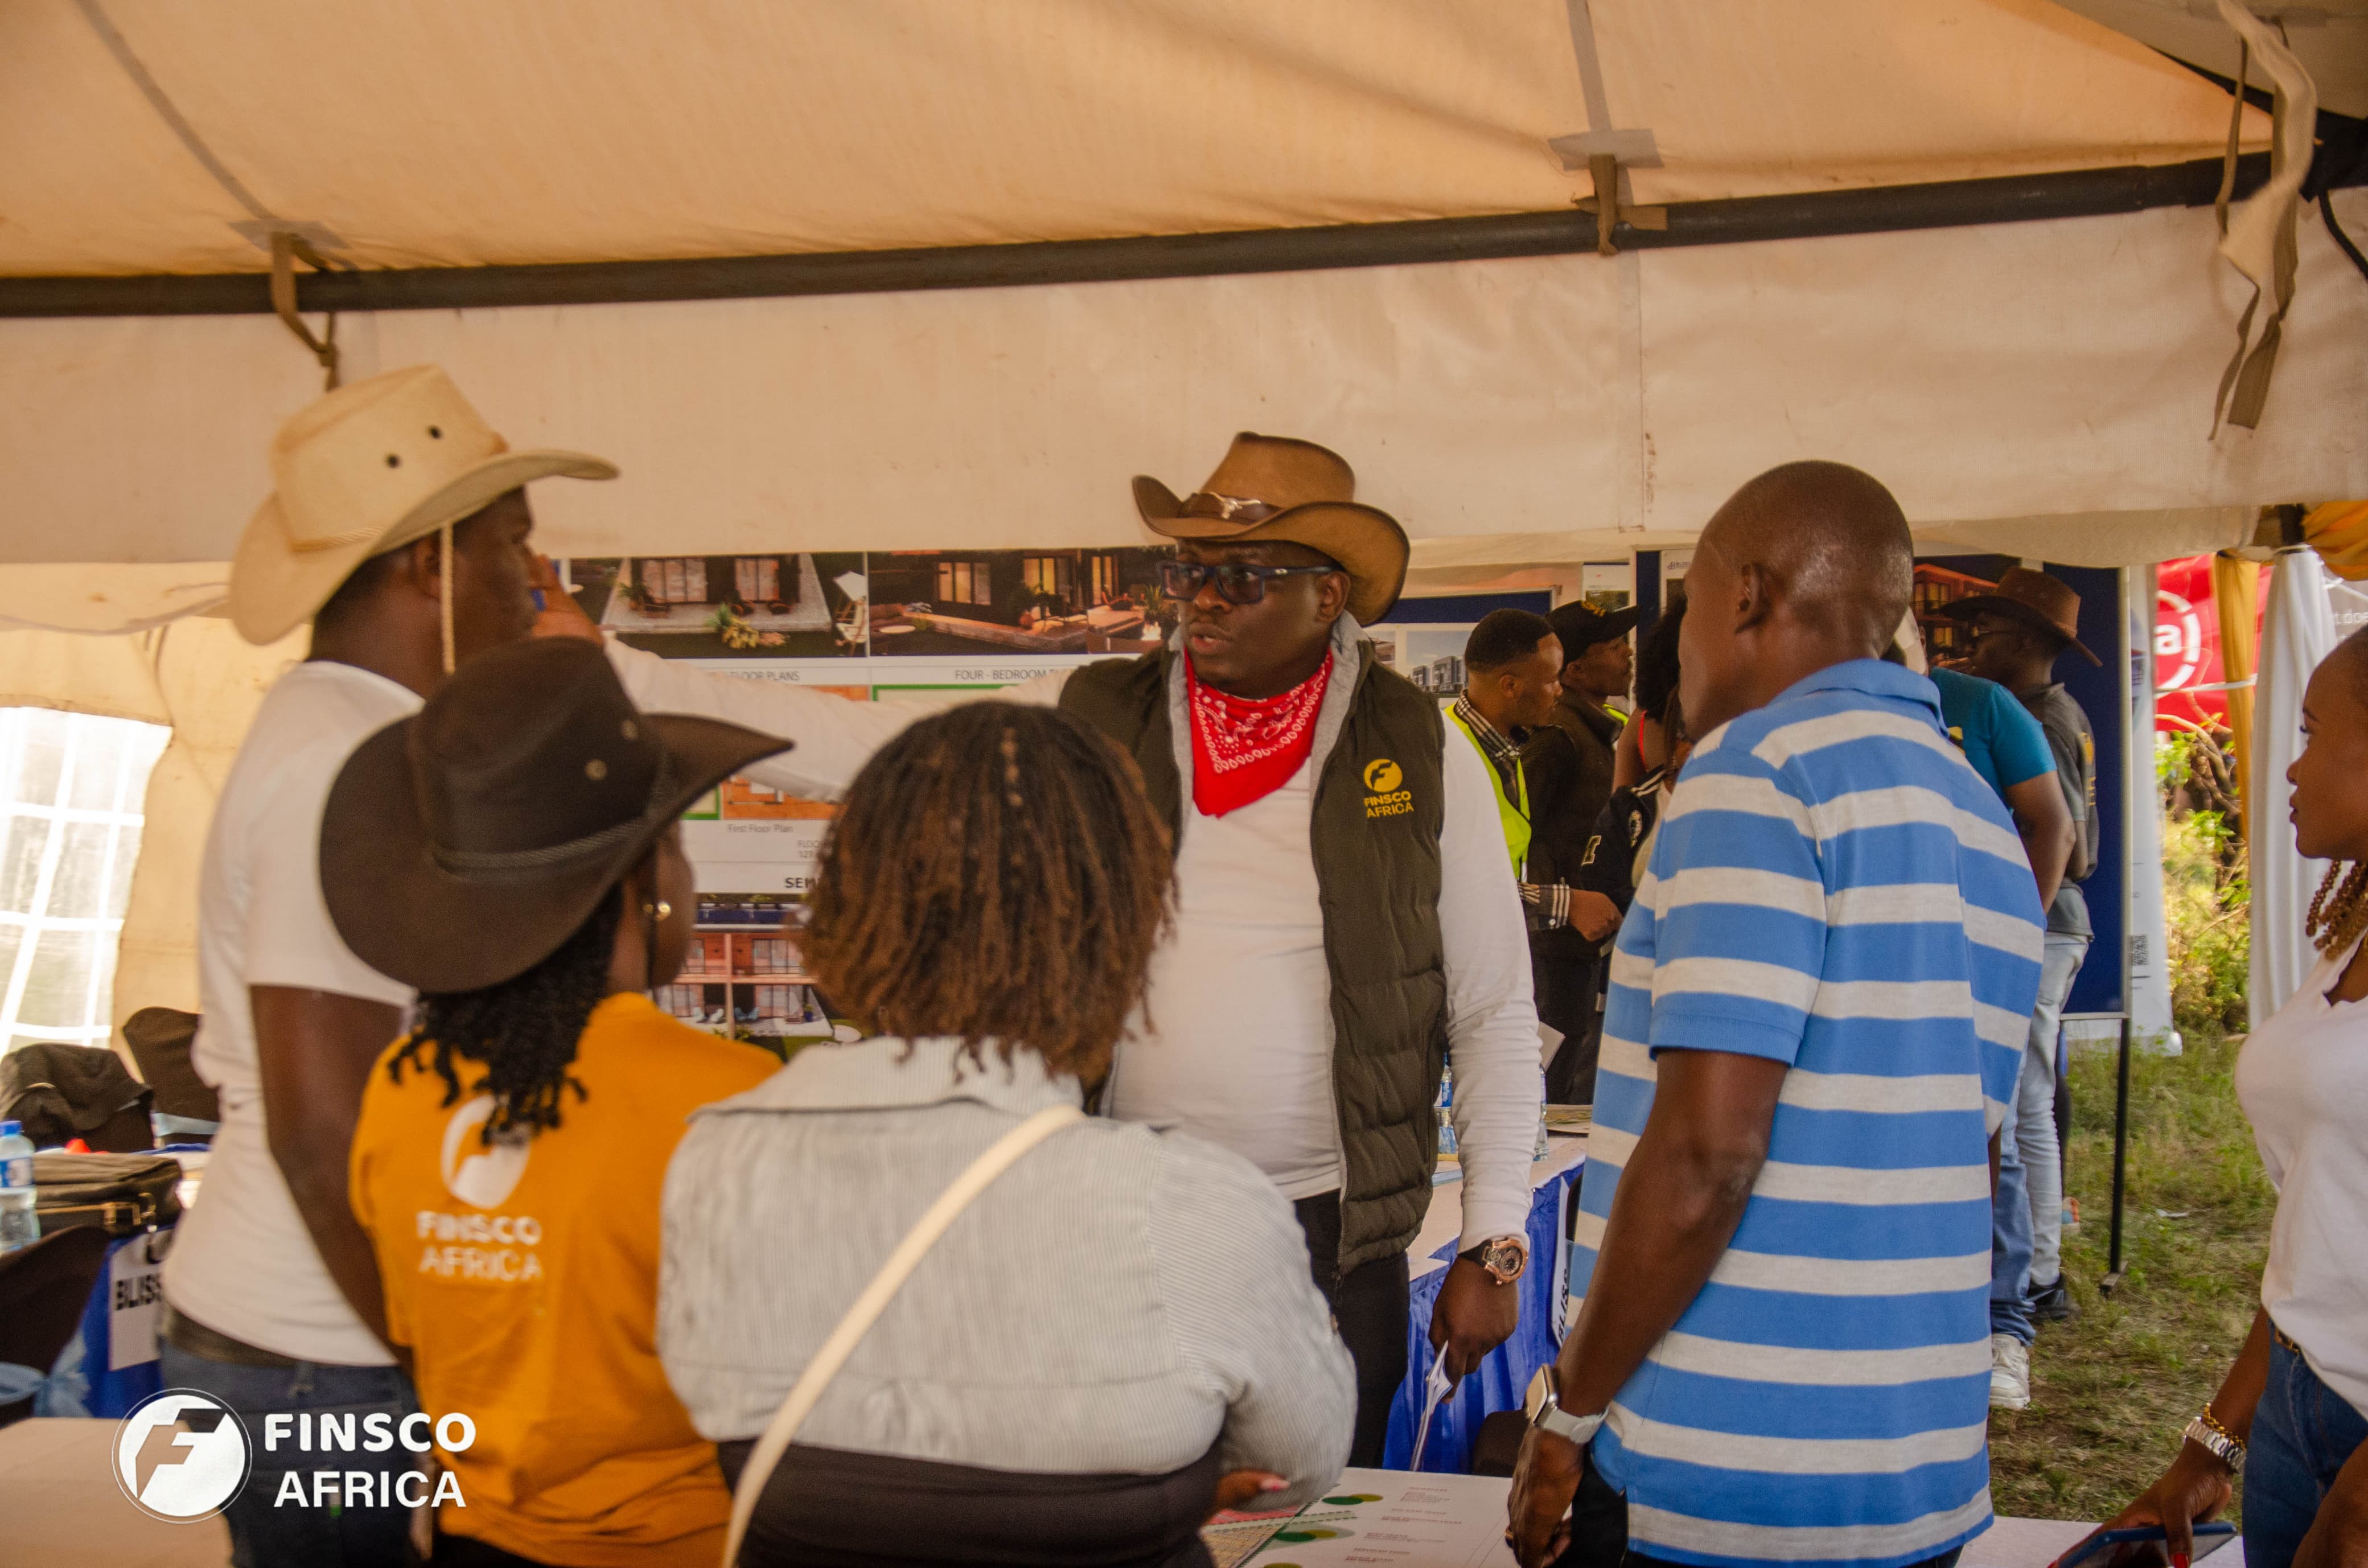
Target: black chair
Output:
{"points": [[161, 1040], [1499, 1443], [44, 1289]]}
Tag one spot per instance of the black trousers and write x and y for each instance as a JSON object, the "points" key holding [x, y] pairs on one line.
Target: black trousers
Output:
{"points": [[1565, 975], [1598, 1532], [1371, 1308]]}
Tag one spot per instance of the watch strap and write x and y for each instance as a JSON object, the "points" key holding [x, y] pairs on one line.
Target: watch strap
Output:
{"points": [[1547, 1415], [1578, 1429], [2206, 1433]]}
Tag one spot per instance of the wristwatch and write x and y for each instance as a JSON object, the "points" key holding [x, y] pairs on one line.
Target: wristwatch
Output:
{"points": [[1504, 1258], [1547, 1415], [2206, 1433]]}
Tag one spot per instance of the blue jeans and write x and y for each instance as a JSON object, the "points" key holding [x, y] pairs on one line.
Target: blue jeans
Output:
{"points": [[2027, 1213], [264, 1534], [2010, 1242], [2034, 1106], [2303, 1431]]}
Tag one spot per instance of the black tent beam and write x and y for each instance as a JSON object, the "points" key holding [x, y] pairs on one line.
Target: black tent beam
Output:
{"points": [[2082, 193]]}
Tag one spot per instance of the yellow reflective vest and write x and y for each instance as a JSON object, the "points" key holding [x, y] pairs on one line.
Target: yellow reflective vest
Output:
{"points": [[1512, 815]]}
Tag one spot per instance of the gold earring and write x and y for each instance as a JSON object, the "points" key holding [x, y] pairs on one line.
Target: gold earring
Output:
{"points": [[661, 909]]}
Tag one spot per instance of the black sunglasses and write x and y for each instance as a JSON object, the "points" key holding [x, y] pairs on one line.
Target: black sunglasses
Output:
{"points": [[1234, 581], [1236, 584]]}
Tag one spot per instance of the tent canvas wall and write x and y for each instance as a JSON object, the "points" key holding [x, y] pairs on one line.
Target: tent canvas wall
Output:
{"points": [[720, 180]]}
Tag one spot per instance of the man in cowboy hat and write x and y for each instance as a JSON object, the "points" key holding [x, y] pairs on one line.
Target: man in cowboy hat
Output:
{"points": [[2021, 628], [397, 526], [1569, 759], [1347, 924]]}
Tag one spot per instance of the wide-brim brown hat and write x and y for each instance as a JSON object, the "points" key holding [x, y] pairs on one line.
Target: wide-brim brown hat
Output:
{"points": [[371, 468], [2037, 600], [462, 846], [1275, 489]]}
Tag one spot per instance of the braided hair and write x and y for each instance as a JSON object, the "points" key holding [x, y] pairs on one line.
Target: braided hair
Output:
{"points": [[996, 875], [523, 1030], [2338, 910]]}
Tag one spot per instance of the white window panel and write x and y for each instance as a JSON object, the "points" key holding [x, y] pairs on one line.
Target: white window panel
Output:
{"points": [[72, 789]]}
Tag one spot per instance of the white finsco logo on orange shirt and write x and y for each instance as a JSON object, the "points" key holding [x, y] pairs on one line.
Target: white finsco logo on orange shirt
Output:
{"points": [[483, 1177], [494, 1248]]}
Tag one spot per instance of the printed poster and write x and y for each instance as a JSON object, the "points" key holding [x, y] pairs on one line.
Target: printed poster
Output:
{"points": [[885, 626]]}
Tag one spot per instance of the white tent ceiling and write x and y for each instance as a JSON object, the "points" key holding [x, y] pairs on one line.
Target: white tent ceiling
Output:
{"points": [[1557, 406], [2042, 388], [155, 137]]}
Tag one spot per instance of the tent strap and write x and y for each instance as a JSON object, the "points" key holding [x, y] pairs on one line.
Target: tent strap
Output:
{"points": [[285, 248]]}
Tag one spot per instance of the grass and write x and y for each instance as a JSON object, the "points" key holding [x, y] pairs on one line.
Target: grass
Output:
{"points": [[2112, 1389]]}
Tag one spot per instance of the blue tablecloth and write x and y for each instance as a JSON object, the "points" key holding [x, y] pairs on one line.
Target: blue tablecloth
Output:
{"points": [[1501, 1381]]}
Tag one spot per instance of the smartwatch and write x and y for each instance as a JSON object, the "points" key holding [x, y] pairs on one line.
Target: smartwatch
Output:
{"points": [[1547, 1415]]}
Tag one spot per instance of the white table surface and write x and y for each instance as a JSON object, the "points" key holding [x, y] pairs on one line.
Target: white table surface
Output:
{"points": [[1460, 1512]]}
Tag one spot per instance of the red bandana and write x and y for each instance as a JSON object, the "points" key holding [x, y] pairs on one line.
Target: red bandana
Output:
{"points": [[1243, 749]]}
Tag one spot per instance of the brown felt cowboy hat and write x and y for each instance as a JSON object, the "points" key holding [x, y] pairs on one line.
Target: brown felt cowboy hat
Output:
{"points": [[1272, 488], [2033, 598], [371, 468], [462, 846]]}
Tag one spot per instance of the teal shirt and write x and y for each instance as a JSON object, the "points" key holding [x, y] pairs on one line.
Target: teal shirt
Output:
{"points": [[1997, 733]]}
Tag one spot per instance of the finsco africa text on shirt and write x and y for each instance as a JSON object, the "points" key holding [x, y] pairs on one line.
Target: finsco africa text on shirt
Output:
{"points": [[1832, 887]]}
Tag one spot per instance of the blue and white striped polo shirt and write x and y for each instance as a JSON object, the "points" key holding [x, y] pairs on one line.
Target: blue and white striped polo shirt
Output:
{"points": [[1836, 888]]}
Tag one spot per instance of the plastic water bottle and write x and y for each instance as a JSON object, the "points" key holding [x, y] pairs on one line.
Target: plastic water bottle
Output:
{"points": [[20, 1224]]}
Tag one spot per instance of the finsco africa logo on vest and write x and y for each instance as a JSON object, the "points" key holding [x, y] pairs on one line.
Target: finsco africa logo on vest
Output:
{"points": [[182, 1456], [1389, 797]]}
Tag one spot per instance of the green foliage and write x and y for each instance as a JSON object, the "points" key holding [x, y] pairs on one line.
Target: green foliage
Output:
{"points": [[2110, 1389], [2207, 891]]}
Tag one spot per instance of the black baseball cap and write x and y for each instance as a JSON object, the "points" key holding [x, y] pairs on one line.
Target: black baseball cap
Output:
{"points": [[1580, 626]]}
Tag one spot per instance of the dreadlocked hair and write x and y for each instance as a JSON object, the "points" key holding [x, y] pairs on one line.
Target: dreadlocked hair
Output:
{"points": [[998, 875], [523, 1030]]}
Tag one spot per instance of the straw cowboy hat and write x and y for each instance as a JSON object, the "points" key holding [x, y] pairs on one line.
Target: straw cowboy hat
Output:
{"points": [[2035, 600], [462, 846], [1273, 488], [371, 468]]}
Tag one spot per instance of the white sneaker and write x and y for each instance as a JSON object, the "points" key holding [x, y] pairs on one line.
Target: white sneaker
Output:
{"points": [[2009, 1372]]}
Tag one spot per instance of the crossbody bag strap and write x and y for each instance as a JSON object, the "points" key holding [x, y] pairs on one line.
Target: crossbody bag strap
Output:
{"points": [[998, 1157]]}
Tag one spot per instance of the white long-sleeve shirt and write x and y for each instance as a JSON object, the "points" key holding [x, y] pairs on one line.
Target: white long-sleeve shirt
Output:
{"points": [[1240, 994]]}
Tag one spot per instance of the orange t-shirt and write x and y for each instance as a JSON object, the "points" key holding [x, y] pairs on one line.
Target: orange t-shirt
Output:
{"points": [[525, 1279]]}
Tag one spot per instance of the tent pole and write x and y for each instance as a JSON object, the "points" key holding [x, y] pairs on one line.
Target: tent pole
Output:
{"points": [[1944, 204], [2113, 1279]]}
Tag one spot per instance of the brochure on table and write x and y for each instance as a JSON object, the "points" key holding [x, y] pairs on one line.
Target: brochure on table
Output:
{"points": [[1377, 1516]]}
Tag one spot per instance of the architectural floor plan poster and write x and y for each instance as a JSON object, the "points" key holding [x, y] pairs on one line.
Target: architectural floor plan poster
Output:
{"points": [[901, 627]]}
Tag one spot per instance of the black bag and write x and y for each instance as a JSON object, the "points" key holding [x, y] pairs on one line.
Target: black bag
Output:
{"points": [[122, 1194]]}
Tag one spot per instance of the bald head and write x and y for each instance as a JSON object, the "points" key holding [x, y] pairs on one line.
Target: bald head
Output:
{"points": [[1832, 543], [1807, 565]]}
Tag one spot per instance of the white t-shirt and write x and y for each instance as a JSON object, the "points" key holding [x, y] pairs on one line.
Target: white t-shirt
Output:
{"points": [[1239, 1047], [2303, 1080], [243, 1262]]}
